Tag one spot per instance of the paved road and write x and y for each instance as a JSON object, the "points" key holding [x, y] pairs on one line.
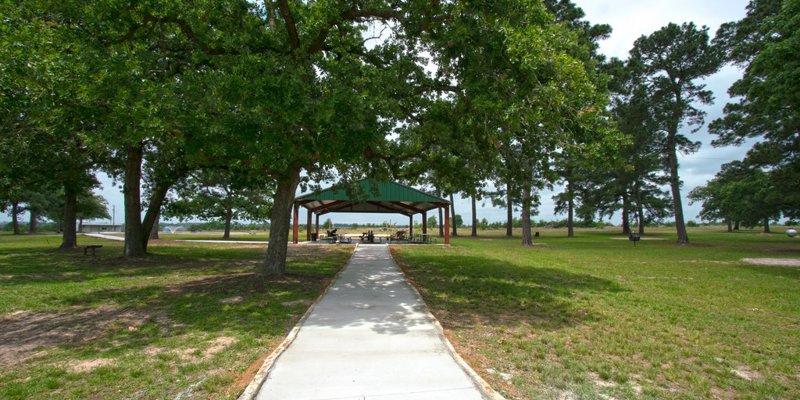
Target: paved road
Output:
{"points": [[369, 337]]}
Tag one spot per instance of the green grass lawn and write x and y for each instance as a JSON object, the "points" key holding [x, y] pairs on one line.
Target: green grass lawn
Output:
{"points": [[596, 318], [191, 320]]}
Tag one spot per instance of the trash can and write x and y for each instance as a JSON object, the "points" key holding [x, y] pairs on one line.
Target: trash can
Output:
{"points": [[314, 236]]}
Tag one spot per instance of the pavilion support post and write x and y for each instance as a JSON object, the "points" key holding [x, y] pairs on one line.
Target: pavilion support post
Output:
{"points": [[424, 222], [308, 226], [296, 222], [317, 226], [446, 227], [410, 226]]}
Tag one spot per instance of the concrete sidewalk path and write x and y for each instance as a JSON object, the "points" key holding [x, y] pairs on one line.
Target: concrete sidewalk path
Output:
{"points": [[369, 337], [116, 238]]}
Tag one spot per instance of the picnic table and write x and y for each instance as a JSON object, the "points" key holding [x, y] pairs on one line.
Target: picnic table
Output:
{"points": [[91, 247]]}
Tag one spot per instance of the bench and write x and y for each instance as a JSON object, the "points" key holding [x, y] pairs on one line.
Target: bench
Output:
{"points": [[91, 247]]}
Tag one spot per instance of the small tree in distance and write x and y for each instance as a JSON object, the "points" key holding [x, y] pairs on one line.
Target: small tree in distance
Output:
{"points": [[432, 221]]}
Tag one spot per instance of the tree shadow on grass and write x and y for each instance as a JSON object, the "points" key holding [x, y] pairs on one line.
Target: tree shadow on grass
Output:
{"points": [[32, 266], [132, 318], [471, 290]]}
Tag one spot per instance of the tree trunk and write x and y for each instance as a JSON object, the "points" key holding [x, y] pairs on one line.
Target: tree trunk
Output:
{"points": [[440, 222], [15, 217], [154, 230], [626, 223], [639, 209], [33, 225], [675, 185], [453, 215], [275, 261], [527, 238], [228, 216], [135, 237], [509, 212], [153, 214], [730, 225], [69, 238], [474, 218], [766, 225], [570, 210], [736, 226]]}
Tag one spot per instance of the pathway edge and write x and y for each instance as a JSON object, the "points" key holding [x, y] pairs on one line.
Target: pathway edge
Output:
{"points": [[487, 391], [260, 377]]}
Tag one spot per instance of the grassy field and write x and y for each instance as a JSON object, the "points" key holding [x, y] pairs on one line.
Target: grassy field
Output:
{"points": [[190, 321], [597, 318]]}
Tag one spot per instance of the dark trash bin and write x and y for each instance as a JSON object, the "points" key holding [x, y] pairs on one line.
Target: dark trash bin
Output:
{"points": [[314, 236]]}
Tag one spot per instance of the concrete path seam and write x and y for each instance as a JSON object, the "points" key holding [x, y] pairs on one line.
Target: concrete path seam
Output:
{"points": [[486, 389]]}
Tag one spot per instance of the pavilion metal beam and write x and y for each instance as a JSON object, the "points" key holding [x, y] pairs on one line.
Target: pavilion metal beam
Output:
{"points": [[414, 209], [329, 205], [381, 205]]}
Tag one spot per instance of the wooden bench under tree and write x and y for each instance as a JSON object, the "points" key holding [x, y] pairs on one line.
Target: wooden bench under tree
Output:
{"points": [[92, 247]]}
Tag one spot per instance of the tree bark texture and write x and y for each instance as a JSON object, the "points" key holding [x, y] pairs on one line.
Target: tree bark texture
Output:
{"points": [[639, 209], [440, 222], [154, 230], [675, 186], [730, 225], [15, 217], [153, 213], [69, 237], [275, 260], [527, 238], [474, 218], [33, 225], [226, 234], [570, 210], [135, 237], [626, 222], [509, 212], [766, 225], [453, 215]]}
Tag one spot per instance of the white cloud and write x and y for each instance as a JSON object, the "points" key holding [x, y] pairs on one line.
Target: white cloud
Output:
{"points": [[631, 19]]}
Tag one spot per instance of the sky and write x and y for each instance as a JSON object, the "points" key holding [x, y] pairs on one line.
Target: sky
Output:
{"points": [[629, 19]]}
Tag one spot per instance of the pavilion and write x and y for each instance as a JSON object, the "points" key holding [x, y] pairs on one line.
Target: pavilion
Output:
{"points": [[371, 196]]}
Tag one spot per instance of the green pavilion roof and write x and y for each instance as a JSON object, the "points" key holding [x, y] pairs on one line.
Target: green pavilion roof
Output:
{"points": [[371, 196]]}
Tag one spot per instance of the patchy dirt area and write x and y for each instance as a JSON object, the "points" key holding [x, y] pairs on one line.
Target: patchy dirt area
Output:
{"points": [[217, 345], [88, 365], [746, 373], [24, 334], [776, 262]]}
